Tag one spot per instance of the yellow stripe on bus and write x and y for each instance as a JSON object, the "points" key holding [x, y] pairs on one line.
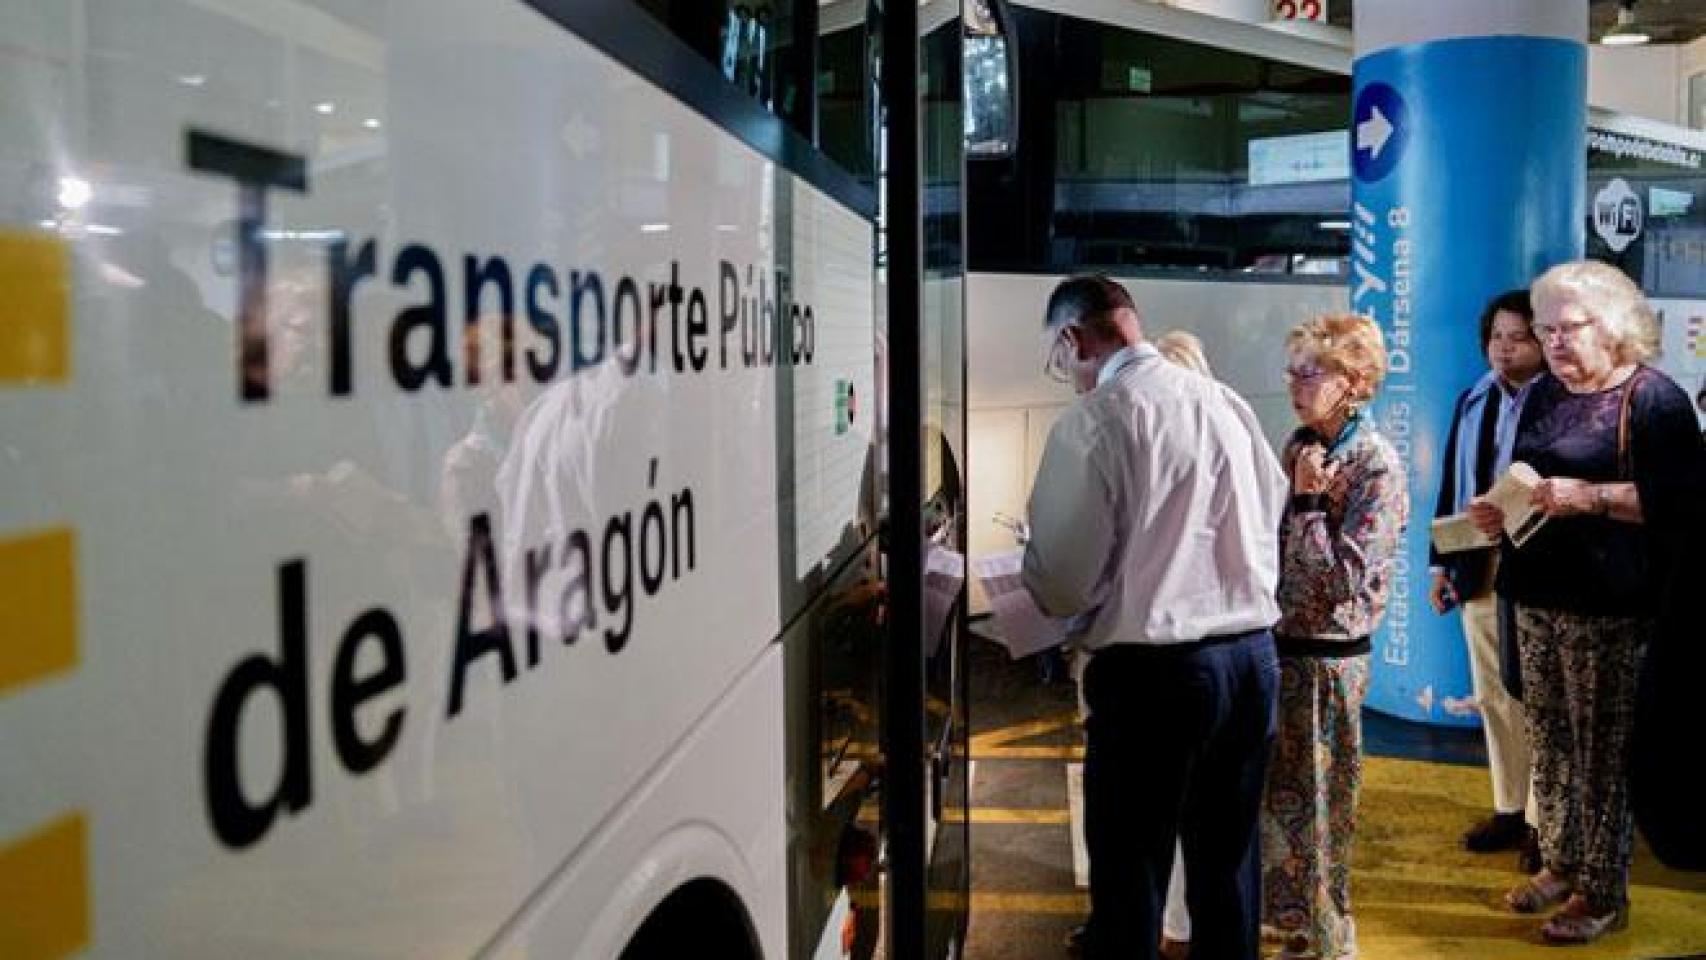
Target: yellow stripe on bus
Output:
{"points": [[38, 607], [44, 884], [35, 308]]}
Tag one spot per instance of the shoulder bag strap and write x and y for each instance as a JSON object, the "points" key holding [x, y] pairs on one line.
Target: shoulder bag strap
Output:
{"points": [[1625, 459]]}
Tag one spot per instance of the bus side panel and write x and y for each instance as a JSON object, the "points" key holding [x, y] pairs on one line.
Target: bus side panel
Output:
{"points": [[404, 485], [708, 811]]}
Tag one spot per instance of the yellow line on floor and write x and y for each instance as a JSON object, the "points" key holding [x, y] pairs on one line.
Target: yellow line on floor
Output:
{"points": [[1028, 753], [1011, 815], [1061, 904], [1019, 731], [1069, 904], [869, 751]]}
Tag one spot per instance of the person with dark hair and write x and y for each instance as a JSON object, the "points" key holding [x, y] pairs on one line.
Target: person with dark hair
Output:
{"points": [[1477, 451], [1154, 522]]}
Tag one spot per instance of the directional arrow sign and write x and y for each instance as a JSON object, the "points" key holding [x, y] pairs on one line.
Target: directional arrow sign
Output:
{"points": [[1373, 133], [1382, 129]]}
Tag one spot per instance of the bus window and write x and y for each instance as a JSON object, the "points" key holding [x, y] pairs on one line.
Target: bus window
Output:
{"points": [[847, 54], [991, 94], [1155, 154], [751, 43]]}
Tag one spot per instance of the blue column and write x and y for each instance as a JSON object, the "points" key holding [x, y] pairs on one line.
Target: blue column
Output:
{"points": [[1469, 160]]}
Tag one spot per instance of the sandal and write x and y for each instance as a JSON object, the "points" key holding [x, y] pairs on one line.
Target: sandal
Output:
{"points": [[1272, 934], [1539, 892], [1577, 923]]}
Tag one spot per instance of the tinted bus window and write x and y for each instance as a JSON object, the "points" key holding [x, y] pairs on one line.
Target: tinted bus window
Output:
{"points": [[1145, 152], [847, 52], [751, 43], [989, 80]]}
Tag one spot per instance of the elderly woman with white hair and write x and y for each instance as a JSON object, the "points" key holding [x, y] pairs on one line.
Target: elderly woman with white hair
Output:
{"points": [[1618, 450]]}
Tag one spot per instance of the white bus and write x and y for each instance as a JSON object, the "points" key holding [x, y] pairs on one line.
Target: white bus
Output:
{"points": [[440, 483]]}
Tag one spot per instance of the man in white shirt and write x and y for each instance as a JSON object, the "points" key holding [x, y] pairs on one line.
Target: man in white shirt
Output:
{"points": [[1154, 521]]}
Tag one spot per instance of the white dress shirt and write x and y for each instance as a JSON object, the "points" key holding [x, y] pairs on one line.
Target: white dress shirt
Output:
{"points": [[1510, 412], [1156, 510]]}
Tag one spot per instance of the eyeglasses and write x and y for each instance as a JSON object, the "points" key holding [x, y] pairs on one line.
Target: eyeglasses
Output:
{"points": [[1567, 331], [1305, 375], [1055, 364]]}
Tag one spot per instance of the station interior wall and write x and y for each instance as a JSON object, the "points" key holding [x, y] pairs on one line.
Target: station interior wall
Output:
{"points": [[1012, 404]]}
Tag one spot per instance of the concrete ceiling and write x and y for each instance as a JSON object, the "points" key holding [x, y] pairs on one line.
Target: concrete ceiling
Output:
{"points": [[1669, 21]]}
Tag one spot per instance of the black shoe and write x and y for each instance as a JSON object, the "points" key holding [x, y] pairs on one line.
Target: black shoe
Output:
{"points": [[1528, 858], [1501, 831]]}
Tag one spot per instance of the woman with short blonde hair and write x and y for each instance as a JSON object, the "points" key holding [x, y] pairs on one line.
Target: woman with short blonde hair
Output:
{"points": [[1347, 343], [1338, 541], [1620, 458]]}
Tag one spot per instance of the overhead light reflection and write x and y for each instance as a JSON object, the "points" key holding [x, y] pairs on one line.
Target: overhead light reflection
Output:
{"points": [[306, 235], [75, 193], [325, 108], [1625, 32]]}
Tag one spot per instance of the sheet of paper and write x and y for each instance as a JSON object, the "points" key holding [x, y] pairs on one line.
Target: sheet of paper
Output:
{"points": [[1017, 622], [1512, 494], [1457, 533], [944, 574]]}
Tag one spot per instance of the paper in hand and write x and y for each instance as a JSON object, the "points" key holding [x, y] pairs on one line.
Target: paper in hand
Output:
{"points": [[944, 574], [1457, 533], [1512, 494], [1019, 625]]}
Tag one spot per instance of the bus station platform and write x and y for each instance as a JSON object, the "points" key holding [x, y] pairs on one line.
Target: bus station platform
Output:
{"points": [[1416, 893]]}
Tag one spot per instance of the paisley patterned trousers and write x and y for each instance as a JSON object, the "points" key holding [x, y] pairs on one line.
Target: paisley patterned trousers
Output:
{"points": [[1309, 807], [1578, 676]]}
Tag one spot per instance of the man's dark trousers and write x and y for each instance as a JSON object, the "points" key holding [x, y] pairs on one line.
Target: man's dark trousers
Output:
{"points": [[1178, 749]]}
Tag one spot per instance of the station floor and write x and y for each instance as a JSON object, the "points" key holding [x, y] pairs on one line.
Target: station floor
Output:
{"points": [[1416, 894]]}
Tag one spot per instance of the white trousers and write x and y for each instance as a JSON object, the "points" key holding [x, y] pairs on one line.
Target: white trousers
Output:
{"points": [[1502, 716], [1176, 918]]}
